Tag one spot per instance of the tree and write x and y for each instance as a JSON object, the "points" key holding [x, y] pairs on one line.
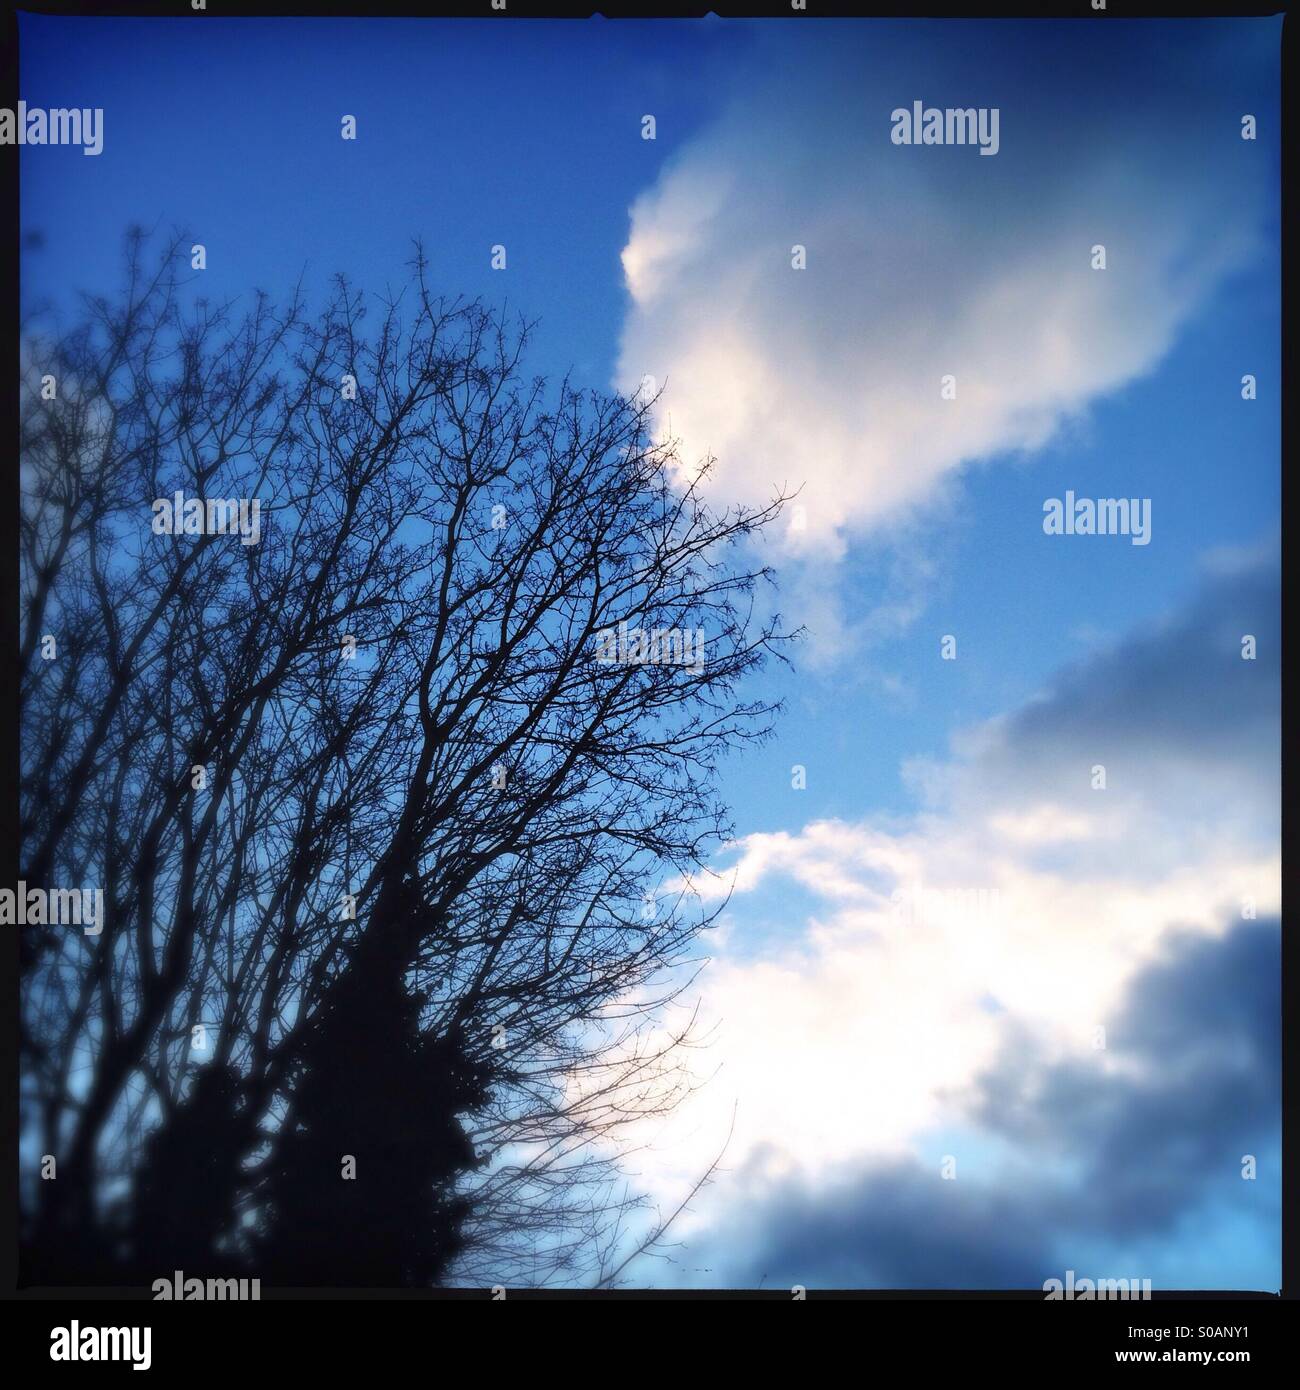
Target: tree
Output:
{"points": [[376, 802]]}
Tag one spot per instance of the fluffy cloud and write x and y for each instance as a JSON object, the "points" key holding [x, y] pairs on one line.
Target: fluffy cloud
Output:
{"points": [[938, 984], [924, 261], [1104, 1157]]}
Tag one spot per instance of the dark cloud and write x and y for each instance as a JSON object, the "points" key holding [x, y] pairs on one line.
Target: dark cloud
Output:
{"points": [[1146, 1144], [1200, 1047], [1181, 690], [1189, 734], [1137, 1149]]}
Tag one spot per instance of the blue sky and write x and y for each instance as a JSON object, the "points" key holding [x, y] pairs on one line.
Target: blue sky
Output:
{"points": [[672, 257]]}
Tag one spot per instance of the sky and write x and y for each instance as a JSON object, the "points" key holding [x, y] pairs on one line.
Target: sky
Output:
{"points": [[978, 1021]]}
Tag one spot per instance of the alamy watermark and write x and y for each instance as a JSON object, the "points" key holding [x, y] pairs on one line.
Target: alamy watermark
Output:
{"points": [[1085, 1289], [951, 125], [1107, 516], [916, 904], [77, 1343], [213, 516], [180, 1289], [54, 907], [32, 125], [660, 646]]}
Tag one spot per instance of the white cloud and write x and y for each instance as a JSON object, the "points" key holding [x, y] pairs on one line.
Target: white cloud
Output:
{"points": [[855, 1034], [921, 262], [864, 1023]]}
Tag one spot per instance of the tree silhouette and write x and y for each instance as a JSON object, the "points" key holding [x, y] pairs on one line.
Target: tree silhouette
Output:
{"points": [[205, 1141], [374, 811], [382, 1096]]}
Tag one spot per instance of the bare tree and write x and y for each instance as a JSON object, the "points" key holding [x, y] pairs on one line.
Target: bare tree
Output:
{"points": [[390, 813]]}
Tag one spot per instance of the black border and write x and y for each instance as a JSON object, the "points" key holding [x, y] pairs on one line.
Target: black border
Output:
{"points": [[982, 1334]]}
